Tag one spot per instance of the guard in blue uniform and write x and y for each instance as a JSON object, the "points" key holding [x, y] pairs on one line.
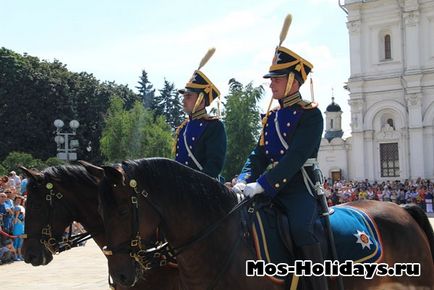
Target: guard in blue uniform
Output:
{"points": [[201, 139], [281, 165]]}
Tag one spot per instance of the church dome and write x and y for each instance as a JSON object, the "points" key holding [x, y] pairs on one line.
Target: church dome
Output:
{"points": [[333, 107]]}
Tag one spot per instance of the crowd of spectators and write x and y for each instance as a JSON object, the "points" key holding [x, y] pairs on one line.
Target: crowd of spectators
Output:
{"points": [[12, 213], [418, 191]]}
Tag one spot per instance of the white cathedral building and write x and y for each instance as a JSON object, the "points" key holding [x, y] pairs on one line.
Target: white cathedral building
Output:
{"points": [[391, 94]]}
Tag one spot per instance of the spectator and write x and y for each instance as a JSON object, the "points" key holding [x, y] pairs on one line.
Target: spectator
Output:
{"points": [[4, 184], [17, 180], [9, 205], [428, 202], [23, 191], [7, 252], [18, 225]]}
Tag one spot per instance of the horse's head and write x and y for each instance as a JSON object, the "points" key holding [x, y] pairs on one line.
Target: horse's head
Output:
{"points": [[37, 220], [52, 205], [130, 222]]}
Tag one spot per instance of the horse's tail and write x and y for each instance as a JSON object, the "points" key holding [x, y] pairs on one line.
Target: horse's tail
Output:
{"points": [[422, 220]]}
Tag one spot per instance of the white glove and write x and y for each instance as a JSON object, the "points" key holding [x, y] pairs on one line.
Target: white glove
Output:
{"points": [[239, 187], [252, 189]]}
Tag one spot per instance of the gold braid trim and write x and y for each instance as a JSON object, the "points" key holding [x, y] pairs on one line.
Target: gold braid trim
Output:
{"points": [[177, 134], [264, 122]]}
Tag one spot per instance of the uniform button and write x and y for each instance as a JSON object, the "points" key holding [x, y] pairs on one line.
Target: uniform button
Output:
{"points": [[266, 142], [295, 112], [277, 185], [272, 160], [266, 152], [186, 162], [176, 154], [284, 134], [288, 124], [284, 180], [177, 146], [282, 152], [192, 138], [266, 133], [266, 125], [200, 124], [190, 147]]}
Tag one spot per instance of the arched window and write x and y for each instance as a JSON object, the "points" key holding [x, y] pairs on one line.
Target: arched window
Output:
{"points": [[387, 47], [331, 124]]}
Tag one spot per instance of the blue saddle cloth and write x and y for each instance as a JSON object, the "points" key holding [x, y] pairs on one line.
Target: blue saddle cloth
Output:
{"points": [[356, 236]]}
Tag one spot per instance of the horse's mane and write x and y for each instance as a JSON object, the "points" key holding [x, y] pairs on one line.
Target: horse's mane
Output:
{"points": [[181, 183], [70, 174]]}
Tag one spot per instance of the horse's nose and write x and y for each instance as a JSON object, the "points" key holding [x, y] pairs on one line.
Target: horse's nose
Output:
{"points": [[125, 279], [31, 258]]}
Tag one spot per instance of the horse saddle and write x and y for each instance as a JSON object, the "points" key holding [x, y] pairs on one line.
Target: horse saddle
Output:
{"points": [[355, 234]]}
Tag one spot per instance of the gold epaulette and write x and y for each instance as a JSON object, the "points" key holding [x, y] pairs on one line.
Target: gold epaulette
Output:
{"points": [[211, 118], [307, 105]]}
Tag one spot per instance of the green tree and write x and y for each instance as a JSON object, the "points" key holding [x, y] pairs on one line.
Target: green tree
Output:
{"points": [[35, 92], [174, 114], [134, 133], [54, 161], [168, 104], [242, 122], [3, 170], [15, 159], [146, 91], [112, 143]]}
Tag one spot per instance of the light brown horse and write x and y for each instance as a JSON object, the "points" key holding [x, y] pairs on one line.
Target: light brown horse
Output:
{"points": [[189, 208], [75, 198]]}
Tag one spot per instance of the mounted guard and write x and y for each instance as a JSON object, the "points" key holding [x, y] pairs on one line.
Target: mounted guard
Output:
{"points": [[282, 164], [201, 139]]}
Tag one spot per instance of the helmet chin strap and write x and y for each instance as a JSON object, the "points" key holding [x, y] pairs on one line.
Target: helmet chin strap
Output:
{"points": [[198, 101], [289, 84]]}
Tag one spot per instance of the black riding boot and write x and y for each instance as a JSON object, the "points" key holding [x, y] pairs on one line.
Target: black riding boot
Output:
{"points": [[314, 254]]}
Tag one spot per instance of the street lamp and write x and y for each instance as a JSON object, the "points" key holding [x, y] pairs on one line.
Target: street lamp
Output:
{"points": [[66, 149]]}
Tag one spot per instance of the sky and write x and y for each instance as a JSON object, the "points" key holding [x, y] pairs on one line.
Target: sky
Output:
{"points": [[116, 40]]}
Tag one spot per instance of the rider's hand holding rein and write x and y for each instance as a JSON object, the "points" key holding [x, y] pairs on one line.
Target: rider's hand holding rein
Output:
{"points": [[253, 189], [239, 187]]}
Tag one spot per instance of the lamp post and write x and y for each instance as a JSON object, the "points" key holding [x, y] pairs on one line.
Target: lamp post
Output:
{"points": [[66, 149]]}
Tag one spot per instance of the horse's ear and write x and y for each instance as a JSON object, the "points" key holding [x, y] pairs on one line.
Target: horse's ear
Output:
{"points": [[93, 170], [32, 173], [114, 174]]}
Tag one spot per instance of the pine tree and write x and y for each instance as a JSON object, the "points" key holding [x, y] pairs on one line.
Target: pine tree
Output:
{"points": [[175, 114], [161, 100], [168, 104], [146, 91]]}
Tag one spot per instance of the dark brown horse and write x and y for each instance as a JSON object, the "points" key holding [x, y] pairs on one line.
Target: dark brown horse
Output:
{"points": [[190, 209], [74, 197]]}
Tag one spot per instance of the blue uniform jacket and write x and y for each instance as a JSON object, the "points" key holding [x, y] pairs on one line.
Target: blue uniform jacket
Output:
{"points": [[301, 127], [206, 138]]}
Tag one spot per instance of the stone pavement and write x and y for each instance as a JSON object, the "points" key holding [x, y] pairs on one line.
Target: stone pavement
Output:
{"points": [[79, 268]]}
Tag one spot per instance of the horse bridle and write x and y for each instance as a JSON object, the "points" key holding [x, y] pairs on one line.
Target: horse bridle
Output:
{"points": [[46, 237], [148, 258], [149, 254]]}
